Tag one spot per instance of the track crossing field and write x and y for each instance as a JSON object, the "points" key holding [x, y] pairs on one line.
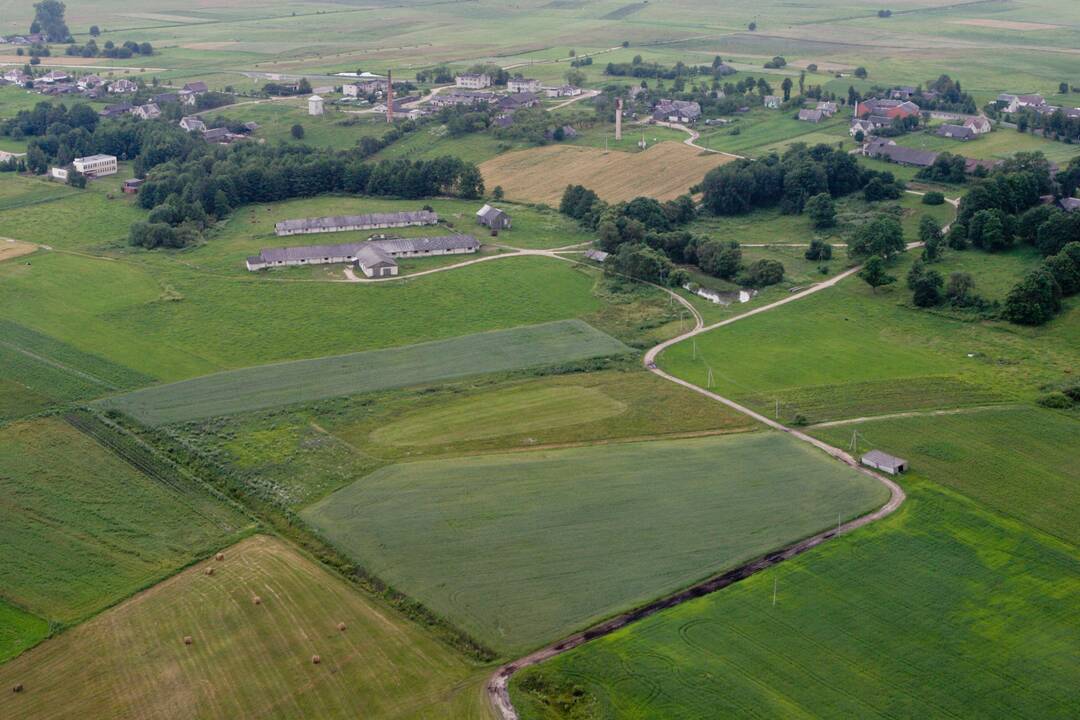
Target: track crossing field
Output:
{"points": [[522, 548], [246, 660], [305, 380]]}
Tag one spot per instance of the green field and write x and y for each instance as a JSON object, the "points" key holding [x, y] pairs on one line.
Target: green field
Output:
{"points": [[19, 630], [763, 131], [1035, 482], [301, 381], [523, 548], [942, 610], [84, 529], [276, 119], [245, 660], [997, 145]]}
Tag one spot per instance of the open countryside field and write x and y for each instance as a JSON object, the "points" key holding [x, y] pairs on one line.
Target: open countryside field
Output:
{"points": [[664, 171], [941, 610], [1035, 482], [523, 548], [245, 660], [997, 145], [306, 380], [84, 529]]}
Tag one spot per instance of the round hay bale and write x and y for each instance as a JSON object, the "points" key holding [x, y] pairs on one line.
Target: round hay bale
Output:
{"points": [[18, 688], [209, 571], [257, 600], [219, 557], [341, 627], [315, 659], [188, 640]]}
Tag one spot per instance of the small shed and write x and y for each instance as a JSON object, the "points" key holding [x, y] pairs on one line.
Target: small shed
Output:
{"points": [[131, 187], [315, 105], [885, 462], [493, 218]]}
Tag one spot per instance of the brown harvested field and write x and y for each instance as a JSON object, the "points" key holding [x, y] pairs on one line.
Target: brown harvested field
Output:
{"points": [[664, 171], [245, 659], [12, 249], [1004, 24]]}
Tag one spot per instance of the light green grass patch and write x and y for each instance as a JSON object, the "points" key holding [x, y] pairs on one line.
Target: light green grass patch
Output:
{"points": [[19, 630], [942, 610], [268, 386], [523, 548]]}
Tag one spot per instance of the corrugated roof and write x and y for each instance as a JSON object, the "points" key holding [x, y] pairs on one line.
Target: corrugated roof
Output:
{"points": [[343, 221], [399, 246], [881, 459]]}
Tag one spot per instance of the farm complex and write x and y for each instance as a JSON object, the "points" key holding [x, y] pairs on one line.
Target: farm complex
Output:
{"points": [[572, 360]]}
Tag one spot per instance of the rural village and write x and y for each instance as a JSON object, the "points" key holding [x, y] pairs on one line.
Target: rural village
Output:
{"points": [[558, 360]]}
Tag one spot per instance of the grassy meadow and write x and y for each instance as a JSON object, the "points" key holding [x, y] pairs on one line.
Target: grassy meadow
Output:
{"points": [[944, 609], [84, 529], [245, 660], [265, 386], [519, 549]]}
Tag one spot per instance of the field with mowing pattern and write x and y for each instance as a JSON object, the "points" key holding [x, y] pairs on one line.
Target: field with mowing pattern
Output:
{"points": [[83, 529], [245, 660], [664, 171], [523, 548], [942, 610], [300, 381]]}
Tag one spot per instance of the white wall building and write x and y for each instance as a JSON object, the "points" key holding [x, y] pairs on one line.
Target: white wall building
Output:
{"points": [[474, 81], [519, 85], [315, 105], [96, 165]]}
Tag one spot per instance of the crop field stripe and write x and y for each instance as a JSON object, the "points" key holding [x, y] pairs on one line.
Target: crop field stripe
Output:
{"points": [[304, 380]]}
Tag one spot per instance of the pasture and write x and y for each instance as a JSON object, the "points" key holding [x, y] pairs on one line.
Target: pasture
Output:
{"points": [[664, 171], [245, 660], [943, 609], [867, 354], [1034, 481], [1000, 144], [19, 630], [763, 131], [301, 381], [84, 528], [523, 548]]}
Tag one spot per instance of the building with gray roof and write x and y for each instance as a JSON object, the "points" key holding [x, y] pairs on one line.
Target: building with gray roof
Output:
{"points": [[342, 223], [885, 462], [493, 218], [376, 258]]}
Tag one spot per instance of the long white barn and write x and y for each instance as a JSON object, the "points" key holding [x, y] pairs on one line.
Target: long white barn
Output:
{"points": [[374, 257], [342, 223]]}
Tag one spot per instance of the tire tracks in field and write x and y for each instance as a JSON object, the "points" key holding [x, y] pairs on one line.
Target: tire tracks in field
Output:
{"points": [[498, 684]]}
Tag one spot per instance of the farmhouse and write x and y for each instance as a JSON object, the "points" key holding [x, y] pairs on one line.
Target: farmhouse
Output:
{"points": [[96, 165], [342, 223], [193, 123], [884, 462], [771, 101], [980, 125], [956, 132], [891, 109], [813, 116], [828, 109], [475, 81], [6, 156], [315, 105], [520, 85], [889, 150], [89, 81], [680, 111], [861, 126], [112, 111], [374, 257], [123, 86], [493, 218], [150, 111]]}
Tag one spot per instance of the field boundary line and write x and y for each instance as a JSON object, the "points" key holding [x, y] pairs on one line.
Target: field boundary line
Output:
{"points": [[919, 413], [498, 685], [60, 366]]}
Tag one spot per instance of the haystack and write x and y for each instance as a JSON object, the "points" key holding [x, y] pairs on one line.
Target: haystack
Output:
{"points": [[219, 557], [18, 688], [209, 571], [257, 600], [341, 627], [315, 659], [188, 640]]}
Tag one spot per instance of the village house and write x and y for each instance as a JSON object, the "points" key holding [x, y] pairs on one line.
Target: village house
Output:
{"points": [[114, 111], [956, 132], [89, 81], [493, 218], [980, 125], [95, 165], [891, 109], [564, 91], [521, 85], [813, 116], [198, 87], [315, 105], [192, 123], [884, 462], [123, 86], [473, 81], [344, 223], [219, 135], [1010, 103], [165, 98], [54, 76], [889, 150], [861, 126], [375, 258], [771, 101], [517, 101], [150, 111], [17, 77], [677, 111], [368, 86], [904, 92], [828, 109], [131, 187]]}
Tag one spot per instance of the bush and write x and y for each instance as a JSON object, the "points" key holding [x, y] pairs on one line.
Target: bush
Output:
{"points": [[927, 289], [1056, 400], [762, 273], [818, 250], [720, 259], [933, 198], [1034, 300], [822, 210]]}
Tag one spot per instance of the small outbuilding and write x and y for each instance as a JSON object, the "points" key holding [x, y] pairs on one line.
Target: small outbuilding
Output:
{"points": [[315, 105], [493, 218], [885, 462]]}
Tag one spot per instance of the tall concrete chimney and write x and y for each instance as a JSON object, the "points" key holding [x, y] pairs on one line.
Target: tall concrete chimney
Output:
{"points": [[618, 118], [389, 97]]}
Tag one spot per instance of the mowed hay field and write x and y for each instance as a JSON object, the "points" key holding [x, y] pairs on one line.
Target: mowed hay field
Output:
{"points": [[941, 610], [305, 380], [82, 528], [664, 171], [523, 548], [246, 660]]}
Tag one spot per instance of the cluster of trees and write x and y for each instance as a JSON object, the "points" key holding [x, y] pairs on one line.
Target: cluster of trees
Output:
{"points": [[186, 195], [639, 69], [1056, 125], [1037, 297], [790, 181], [439, 75], [128, 49], [49, 20], [647, 242], [303, 87], [947, 95], [947, 168], [776, 63]]}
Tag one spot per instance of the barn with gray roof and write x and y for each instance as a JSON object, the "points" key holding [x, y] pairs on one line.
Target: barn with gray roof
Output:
{"points": [[342, 223], [376, 258]]}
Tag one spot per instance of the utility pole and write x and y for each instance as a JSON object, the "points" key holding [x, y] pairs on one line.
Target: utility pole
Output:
{"points": [[774, 582]]}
